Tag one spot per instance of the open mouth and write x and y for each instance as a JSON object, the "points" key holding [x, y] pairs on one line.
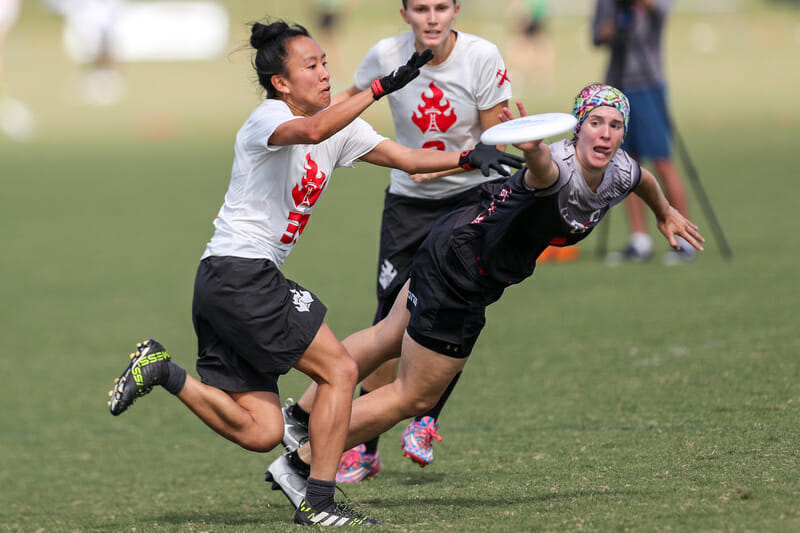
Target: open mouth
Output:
{"points": [[604, 151]]}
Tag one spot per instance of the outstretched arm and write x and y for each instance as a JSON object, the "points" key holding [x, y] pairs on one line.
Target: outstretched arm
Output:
{"points": [[542, 170], [320, 126], [394, 155], [670, 222]]}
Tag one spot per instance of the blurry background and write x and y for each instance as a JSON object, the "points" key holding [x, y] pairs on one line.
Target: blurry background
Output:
{"points": [[108, 202]]}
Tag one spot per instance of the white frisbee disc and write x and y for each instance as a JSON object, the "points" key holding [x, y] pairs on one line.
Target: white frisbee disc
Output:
{"points": [[529, 128]]}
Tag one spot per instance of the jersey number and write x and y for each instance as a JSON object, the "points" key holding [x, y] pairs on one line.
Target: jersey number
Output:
{"points": [[297, 224]]}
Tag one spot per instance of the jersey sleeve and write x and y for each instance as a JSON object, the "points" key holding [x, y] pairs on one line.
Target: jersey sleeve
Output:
{"points": [[359, 139], [369, 70], [492, 84], [263, 123]]}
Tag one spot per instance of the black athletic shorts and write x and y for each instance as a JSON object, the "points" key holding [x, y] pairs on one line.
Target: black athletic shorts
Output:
{"points": [[252, 323], [445, 318], [405, 223]]}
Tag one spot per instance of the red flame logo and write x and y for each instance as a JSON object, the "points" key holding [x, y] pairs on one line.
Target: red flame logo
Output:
{"points": [[435, 114], [311, 186]]}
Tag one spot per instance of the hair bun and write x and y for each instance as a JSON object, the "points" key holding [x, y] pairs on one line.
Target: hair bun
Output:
{"points": [[263, 34]]}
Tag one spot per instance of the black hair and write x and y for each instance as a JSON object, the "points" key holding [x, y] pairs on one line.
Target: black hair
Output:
{"points": [[269, 41]]}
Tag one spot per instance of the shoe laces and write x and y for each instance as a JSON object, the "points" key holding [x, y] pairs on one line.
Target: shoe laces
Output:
{"points": [[352, 457], [343, 509], [426, 430]]}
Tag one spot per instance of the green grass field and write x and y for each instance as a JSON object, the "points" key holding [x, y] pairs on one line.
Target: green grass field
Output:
{"points": [[635, 398]]}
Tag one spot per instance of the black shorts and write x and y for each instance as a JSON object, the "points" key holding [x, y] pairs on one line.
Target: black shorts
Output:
{"points": [[252, 323], [445, 318], [405, 223]]}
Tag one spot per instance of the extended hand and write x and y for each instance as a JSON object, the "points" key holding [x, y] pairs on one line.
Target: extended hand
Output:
{"points": [[677, 224], [488, 157], [402, 76]]}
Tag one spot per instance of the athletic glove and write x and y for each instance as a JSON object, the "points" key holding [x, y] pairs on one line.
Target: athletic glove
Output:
{"points": [[486, 157], [402, 76]]}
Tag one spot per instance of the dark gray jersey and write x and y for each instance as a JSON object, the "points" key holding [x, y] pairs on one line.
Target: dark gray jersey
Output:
{"points": [[497, 242]]}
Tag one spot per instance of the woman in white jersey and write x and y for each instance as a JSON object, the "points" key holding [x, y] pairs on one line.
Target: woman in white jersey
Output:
{"points": [[252, 323], [474, 253], [459, 94]]}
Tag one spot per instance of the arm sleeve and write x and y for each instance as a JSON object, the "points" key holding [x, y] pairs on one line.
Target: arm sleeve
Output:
{"points": [[262, 124], [491, 85], [360, 139], [369, 70]]}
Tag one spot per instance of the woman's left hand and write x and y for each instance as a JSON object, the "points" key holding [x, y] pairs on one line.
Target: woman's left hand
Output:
{"points": [[677, 224]]}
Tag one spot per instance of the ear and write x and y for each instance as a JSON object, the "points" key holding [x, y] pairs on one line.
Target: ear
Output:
{"points": [[280, 83], [403, 14], [457, 8]]}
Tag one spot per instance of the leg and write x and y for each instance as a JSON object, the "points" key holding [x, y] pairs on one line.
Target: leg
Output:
{"points": [[250, 419], [637, 215], [424, 376], [328, 363], [671, 180], [372, 346]]}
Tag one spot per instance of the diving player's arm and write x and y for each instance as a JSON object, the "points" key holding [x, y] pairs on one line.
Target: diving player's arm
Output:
{"points": [[670, 221]]}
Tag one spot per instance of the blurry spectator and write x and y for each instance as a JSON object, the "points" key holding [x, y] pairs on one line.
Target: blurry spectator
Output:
{"points": [[94, 22], [529, 51], [16, 121], [633, 31], [9, 12], [329, 15]]}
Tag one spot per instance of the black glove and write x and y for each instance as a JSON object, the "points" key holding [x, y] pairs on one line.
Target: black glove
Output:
{"points": [[485, 157], [402, 76]]}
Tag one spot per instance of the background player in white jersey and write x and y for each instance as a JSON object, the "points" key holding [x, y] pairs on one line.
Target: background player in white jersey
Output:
{"points": [[9, 13], [252, 323], [474, 253], [459, 94]]}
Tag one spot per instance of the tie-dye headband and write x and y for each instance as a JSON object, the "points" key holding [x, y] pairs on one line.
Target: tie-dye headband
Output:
{"points": [[596, 95]]}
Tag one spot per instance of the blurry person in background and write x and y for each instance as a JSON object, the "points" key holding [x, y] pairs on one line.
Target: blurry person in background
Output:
{"points": [[9, 13], [16, 121], [529, 51], [329, 15], [93, 22], [458, 95], [633, 31]]}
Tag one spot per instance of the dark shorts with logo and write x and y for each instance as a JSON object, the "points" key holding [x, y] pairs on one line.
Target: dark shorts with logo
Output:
{"points": [[252, 323], [445, 317], [405, 223]]}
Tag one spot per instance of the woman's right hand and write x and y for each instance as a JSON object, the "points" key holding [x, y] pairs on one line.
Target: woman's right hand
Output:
{"points": [[506, 115]]}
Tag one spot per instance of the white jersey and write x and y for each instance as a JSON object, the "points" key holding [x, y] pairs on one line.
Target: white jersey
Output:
{"points": [[9, 13], [273, 189], [440, 108]]}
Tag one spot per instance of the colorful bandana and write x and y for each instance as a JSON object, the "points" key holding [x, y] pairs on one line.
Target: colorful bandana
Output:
{"points": [[596, 95]]}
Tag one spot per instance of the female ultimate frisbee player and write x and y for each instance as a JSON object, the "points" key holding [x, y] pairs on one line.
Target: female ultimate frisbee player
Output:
{"points": [[458, 95], [474, 253], [252, 323]]}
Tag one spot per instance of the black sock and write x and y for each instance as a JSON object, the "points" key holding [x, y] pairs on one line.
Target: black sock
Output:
{"points": [[371, 446], [319, 494], [298, 413], [303, 468], [176, 379]]}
